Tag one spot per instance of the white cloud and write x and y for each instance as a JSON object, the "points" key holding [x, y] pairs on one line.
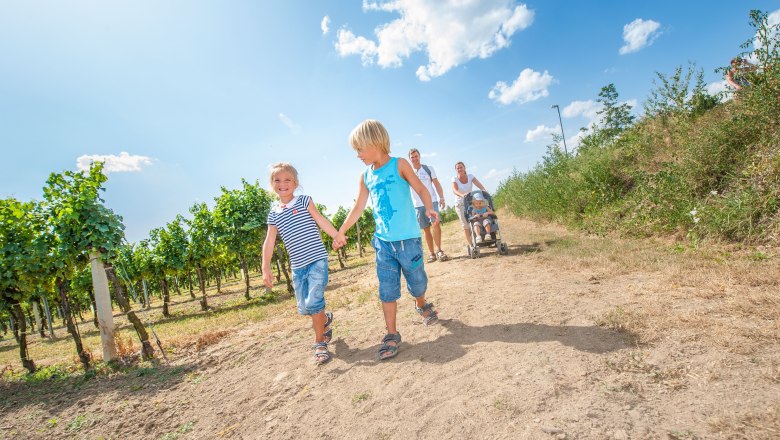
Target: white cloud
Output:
{"points": [[574, 141], [325, 25], [349, 44], [541, 131], [289, 123], [124, 163], [449, 32], [717, 87], [638, 34], [497, 174], [588, 109], [720, 88], [529, 86]]}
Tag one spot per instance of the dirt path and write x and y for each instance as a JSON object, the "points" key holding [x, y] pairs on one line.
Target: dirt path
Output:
{"points": [[567, 337]]}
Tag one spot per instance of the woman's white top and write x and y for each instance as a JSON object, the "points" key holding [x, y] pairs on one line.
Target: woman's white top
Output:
{"points": [[464, 188]]}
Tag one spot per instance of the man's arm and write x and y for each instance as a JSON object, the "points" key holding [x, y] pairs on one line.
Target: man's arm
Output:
{"points": [[406, 171], [440, 192]]}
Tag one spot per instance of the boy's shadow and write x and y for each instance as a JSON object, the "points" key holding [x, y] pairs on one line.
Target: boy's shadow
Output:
{"points": [[454, 344]]}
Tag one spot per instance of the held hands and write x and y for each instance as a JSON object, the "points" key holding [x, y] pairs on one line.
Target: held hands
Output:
{"points": [[340, 240], [441, 204]]}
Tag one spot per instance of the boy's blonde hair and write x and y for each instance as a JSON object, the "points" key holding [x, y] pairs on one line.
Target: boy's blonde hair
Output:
{"points": [[370, 133], [283, 166]]}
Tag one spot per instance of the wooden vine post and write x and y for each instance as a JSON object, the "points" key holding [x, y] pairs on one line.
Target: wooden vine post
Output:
{"points": [[103, 303]]}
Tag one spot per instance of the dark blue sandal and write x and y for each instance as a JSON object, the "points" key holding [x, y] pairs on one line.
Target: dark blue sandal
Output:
{"points": [[387, 351], [328, 331], [429, 318], [321, 353]]}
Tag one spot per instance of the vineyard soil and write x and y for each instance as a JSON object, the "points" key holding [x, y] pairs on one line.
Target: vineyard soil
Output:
{"points": [[567, 337]]}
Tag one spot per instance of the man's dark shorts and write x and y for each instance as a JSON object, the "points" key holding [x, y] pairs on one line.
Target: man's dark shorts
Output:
{"points": [[422, 219]]}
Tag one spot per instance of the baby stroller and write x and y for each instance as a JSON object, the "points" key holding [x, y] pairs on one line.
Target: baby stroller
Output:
{"points": [[490, 240]]}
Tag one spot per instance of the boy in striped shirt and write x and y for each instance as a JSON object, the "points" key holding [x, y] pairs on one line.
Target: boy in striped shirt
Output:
{"points": [[295, 220]]}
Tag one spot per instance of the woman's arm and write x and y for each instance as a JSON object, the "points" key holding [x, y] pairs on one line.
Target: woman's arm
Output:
{"points": [[456, 191], [478, 184]]}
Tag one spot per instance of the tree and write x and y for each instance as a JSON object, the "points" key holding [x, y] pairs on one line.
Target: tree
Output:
{"points": [[21, 254], [240, 217], [673, 94], [202, 249], [169, 248], [615, 117], [79, 224]]}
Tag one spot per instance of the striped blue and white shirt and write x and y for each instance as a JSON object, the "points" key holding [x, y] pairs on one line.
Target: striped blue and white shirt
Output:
{"points": [[298, 230]]}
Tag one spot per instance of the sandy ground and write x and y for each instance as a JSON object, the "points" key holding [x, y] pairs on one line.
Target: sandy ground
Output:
{"points": [[532, 345]]}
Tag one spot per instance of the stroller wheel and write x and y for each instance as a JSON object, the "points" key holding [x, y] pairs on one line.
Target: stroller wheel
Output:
{"points": [[475, 252], [503, 249]]}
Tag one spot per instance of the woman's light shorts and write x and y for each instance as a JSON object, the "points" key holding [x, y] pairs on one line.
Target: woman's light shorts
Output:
{"points": [[460, 208]]}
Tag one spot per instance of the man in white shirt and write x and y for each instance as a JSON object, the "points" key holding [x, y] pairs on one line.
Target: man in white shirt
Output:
{"points": [[427, 176]]}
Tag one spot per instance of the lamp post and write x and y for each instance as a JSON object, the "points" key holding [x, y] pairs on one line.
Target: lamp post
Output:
{"points": [[563, 136]]}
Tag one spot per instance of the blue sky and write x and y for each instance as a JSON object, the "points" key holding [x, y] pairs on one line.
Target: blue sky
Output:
{"points": [[183, 97]]}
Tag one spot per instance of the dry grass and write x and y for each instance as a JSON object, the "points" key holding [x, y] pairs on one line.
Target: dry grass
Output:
{"points": [[124, 345], [210, 338], [749, 426]]}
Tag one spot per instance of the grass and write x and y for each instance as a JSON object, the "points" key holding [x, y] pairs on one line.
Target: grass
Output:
{"points": [[187, 326], [361, 397]]}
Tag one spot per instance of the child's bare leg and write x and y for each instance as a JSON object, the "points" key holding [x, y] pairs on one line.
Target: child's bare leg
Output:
{"points": [[318, 323], [389, 309], [420, 303], [489, 228]]}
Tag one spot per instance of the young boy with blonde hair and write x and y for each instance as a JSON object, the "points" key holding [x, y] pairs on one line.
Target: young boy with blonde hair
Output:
{"points": [[396, 240]]}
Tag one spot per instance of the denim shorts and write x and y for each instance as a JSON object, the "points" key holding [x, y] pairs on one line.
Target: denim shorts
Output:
{"points": [[423, 220], [309, 282], [394, 257]]}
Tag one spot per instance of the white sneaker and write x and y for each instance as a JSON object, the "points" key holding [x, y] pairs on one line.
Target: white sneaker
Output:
{"points": [[478, 239]]}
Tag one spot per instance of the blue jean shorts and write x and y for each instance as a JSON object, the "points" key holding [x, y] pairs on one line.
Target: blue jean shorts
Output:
{"points": [[309, 282], [395, 257]]}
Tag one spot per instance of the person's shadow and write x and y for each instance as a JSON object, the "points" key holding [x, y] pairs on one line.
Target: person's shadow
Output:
{"points": [[455, 344]]}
